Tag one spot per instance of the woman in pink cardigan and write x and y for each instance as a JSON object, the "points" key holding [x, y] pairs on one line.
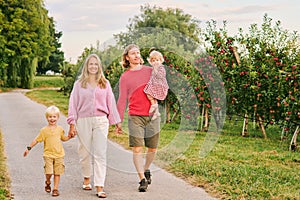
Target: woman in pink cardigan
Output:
{"points": [[92, 108]]}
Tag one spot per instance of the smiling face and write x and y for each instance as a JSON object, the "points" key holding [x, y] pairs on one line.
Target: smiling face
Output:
{"points": [[52, 118], [93, 66], [134, 56]]}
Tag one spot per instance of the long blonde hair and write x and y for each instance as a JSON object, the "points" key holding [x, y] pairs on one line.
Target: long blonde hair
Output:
{"points": [[100, 78]]}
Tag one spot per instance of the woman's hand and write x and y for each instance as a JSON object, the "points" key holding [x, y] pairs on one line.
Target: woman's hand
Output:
{"points": [[72, 131]]}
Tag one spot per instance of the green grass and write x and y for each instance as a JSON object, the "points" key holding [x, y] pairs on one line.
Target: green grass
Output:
{"points": [[48, 82], [236, 168], [5, 180], [50, 97]]}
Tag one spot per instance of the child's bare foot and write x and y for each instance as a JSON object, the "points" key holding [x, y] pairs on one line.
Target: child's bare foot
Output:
{"points": [[47, 186]]}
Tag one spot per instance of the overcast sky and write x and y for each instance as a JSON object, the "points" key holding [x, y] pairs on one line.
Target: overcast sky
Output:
{"points": [[83, 22]]}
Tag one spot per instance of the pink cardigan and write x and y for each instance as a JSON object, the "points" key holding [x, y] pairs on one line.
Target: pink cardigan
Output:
{"points": [[91, 102]]}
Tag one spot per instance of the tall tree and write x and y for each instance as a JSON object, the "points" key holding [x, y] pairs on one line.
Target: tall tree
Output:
{"points": [[162, 26], [26, 30], [55, 61]]}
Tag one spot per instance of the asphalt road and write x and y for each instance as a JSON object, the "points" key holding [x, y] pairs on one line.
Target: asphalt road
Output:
{"points": [[21, 120]]}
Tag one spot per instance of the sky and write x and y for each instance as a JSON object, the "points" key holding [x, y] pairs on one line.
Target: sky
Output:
{"points": [[84, 22]]}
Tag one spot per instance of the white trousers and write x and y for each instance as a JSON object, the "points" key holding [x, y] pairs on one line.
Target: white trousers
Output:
{"points": [[92, 137]]}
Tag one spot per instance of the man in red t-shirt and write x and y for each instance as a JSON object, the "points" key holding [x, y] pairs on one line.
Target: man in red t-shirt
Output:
{"points": [[142, 130]]}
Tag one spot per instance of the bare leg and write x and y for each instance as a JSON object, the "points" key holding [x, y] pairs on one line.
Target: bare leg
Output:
{"points": [[154, 104], [48, 178], [86, 180], [149, 157], [56, 181], [138, 161], [55, 192]]}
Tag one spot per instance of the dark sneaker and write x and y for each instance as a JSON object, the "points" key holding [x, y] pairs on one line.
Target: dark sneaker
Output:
{"points": [[143, 185], [147, 175]]}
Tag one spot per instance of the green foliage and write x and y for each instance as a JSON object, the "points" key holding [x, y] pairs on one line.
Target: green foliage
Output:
{"points": [[159, 26], [263, 81], [55, 61], [25, 33]]}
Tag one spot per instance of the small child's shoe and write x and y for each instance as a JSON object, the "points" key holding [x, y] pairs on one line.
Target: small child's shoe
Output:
{"points": [[153, 108], [55, 193]]}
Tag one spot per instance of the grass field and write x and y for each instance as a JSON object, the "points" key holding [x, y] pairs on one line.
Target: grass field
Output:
{"points": [[236, 168], [48, 81]]}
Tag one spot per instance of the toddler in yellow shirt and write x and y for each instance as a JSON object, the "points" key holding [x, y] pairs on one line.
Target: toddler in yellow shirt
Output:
{"points": [[54, 153]]}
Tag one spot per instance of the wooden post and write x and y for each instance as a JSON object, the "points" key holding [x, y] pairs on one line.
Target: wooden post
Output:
{"points": [[293, 144], [245, 126]]}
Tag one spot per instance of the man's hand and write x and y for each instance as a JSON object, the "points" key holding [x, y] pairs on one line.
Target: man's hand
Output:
{"points": [[119, 128]]}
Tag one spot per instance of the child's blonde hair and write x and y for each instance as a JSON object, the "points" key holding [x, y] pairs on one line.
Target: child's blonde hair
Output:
{"points": [[155, 55], [52, 110]]}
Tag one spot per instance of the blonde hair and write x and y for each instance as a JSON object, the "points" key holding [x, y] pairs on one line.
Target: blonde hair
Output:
{"points": [[125, 63], [52, 110], [155, 55], [100, 78]]}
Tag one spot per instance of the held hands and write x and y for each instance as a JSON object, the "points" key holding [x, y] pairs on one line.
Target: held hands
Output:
{"points": [[72, 131], [119, 128]]}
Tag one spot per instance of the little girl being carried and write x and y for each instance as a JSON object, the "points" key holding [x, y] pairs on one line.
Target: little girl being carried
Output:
{"points": [[157, 87]]}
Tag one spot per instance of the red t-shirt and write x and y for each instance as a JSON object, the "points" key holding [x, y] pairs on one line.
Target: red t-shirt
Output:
{"points": [[131, 90]]}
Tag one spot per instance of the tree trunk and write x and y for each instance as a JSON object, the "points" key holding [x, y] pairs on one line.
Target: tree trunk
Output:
{"points": [[202, 118], [168, 115], [236, 55], [205, 127], [262, 127]]}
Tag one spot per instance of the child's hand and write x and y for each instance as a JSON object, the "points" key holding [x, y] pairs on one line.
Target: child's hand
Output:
{"points": [[26, 153]]}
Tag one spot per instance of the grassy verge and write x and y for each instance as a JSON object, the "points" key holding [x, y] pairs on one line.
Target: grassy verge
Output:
{"points": [[48, 81], [5, 181], [237, 167]]}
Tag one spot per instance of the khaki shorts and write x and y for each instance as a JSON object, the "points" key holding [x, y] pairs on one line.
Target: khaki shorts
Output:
{"points": [[54, 166], [143, 131]]}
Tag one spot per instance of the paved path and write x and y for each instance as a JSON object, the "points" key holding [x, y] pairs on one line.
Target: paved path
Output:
{"points": [[20, 121]]}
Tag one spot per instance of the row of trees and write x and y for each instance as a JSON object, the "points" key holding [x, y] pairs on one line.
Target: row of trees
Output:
{"points": [[254, 74], [29, 42]]}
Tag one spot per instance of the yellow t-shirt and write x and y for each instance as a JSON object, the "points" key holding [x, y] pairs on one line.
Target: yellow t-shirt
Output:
{"points": [[52, 138]]}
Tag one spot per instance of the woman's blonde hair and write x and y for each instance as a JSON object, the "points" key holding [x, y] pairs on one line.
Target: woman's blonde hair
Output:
{"points": [[100, 78], [125, 63], [52, 110]]}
